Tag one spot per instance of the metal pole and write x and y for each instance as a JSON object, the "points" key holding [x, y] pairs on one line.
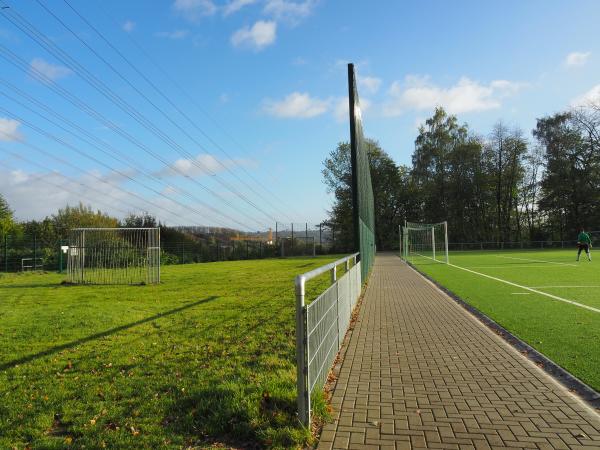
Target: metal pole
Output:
{"points": [[306, 237], [320, 237], [292, 248], [34, 252], [60, 257], [433, 241], [446, 232], [303, 395], [82, 258], [276, 237], [400, 240], [353, 156]]}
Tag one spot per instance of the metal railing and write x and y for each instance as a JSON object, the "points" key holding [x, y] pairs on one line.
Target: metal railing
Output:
{"points": [[321, 326]]}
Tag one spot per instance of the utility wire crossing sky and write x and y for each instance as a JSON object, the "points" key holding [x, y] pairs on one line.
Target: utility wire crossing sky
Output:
{"points": [[221, 113]]}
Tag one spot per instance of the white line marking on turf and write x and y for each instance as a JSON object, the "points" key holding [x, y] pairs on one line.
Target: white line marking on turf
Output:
{"points": [[537, 260], [560, 299], [524, 266], [550, 287], [521, 293]]}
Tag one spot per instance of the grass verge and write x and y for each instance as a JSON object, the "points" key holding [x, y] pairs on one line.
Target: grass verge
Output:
{"points": [[207, 357]]}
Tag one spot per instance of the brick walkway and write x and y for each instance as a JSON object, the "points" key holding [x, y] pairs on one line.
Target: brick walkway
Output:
{"points": [[421, 372]]}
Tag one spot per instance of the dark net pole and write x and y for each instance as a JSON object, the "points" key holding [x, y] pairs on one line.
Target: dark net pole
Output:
{"points": [[363, 210]]}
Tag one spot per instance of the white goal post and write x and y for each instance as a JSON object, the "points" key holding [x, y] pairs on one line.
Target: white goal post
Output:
{"points": [[424, 240], [114, 256]]}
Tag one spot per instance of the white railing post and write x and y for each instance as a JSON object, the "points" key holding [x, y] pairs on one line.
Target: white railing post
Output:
{"points": [[303, 396], [333, 274]]}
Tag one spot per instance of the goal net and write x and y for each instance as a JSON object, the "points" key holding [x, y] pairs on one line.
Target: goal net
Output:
{"points": [[114, 256], [427, 241]]}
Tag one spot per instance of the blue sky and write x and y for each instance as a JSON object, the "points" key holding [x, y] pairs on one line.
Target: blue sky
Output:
{"points": [[264, 84]]}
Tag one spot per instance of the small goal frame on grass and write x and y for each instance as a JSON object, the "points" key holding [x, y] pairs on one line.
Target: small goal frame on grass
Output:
{"points": [[428, 240], [114, 256]]}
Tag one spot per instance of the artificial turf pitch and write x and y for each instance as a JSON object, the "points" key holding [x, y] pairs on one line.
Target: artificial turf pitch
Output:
{"points": [[545, 298], [206, 358]]}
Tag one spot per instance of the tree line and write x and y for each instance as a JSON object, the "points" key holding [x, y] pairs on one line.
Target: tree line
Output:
{"points": [[503, 186], [44, 238]]}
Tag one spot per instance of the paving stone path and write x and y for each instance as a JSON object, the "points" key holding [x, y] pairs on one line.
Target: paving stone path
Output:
{"points": [[419, 371]]}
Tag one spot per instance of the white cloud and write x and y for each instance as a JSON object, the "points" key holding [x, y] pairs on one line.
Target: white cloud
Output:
{"points": [[289, 11], [194, 10], [128, 26], [257, 37], [590, 97], [235, 5], [419, 93], [9, 130], [370, 84], [22, 191], [203, 164], [297, 105], [174, 35], [51, 71], [577, 59]]}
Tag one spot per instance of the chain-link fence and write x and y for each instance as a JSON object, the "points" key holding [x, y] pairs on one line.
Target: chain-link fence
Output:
{"points": [[511, 245], [304, 239], [183, 245], [22, 253]]}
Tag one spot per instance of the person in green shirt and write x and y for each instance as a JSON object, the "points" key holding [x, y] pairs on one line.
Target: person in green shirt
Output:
{"points": [[584, 243]]}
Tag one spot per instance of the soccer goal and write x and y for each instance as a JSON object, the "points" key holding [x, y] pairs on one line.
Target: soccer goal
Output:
{"points": [[114, 256], [425, 240]]}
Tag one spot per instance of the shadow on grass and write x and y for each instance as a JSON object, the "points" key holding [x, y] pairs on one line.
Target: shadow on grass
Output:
{"points": [[102, 334], [220, 415], [31, 285]]}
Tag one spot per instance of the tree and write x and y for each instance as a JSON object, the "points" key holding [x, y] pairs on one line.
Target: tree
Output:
{"points": [[433, 146], [144, 220], [7, 221], [506, 149], [78, 217], [388, 184], [571, 184]]}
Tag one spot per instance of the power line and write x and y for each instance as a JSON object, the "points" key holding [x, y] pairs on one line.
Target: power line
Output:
{"points": [[71, 147], [19, 63], [132, 163], [41, 39], [174, 105], [40, 177]]}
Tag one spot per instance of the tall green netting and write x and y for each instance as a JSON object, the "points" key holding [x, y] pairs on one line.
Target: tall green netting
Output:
{"points": [[362, 189]]}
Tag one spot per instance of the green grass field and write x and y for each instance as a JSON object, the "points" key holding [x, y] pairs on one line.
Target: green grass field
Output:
{"points": [[207, 357], [568, 333]]}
